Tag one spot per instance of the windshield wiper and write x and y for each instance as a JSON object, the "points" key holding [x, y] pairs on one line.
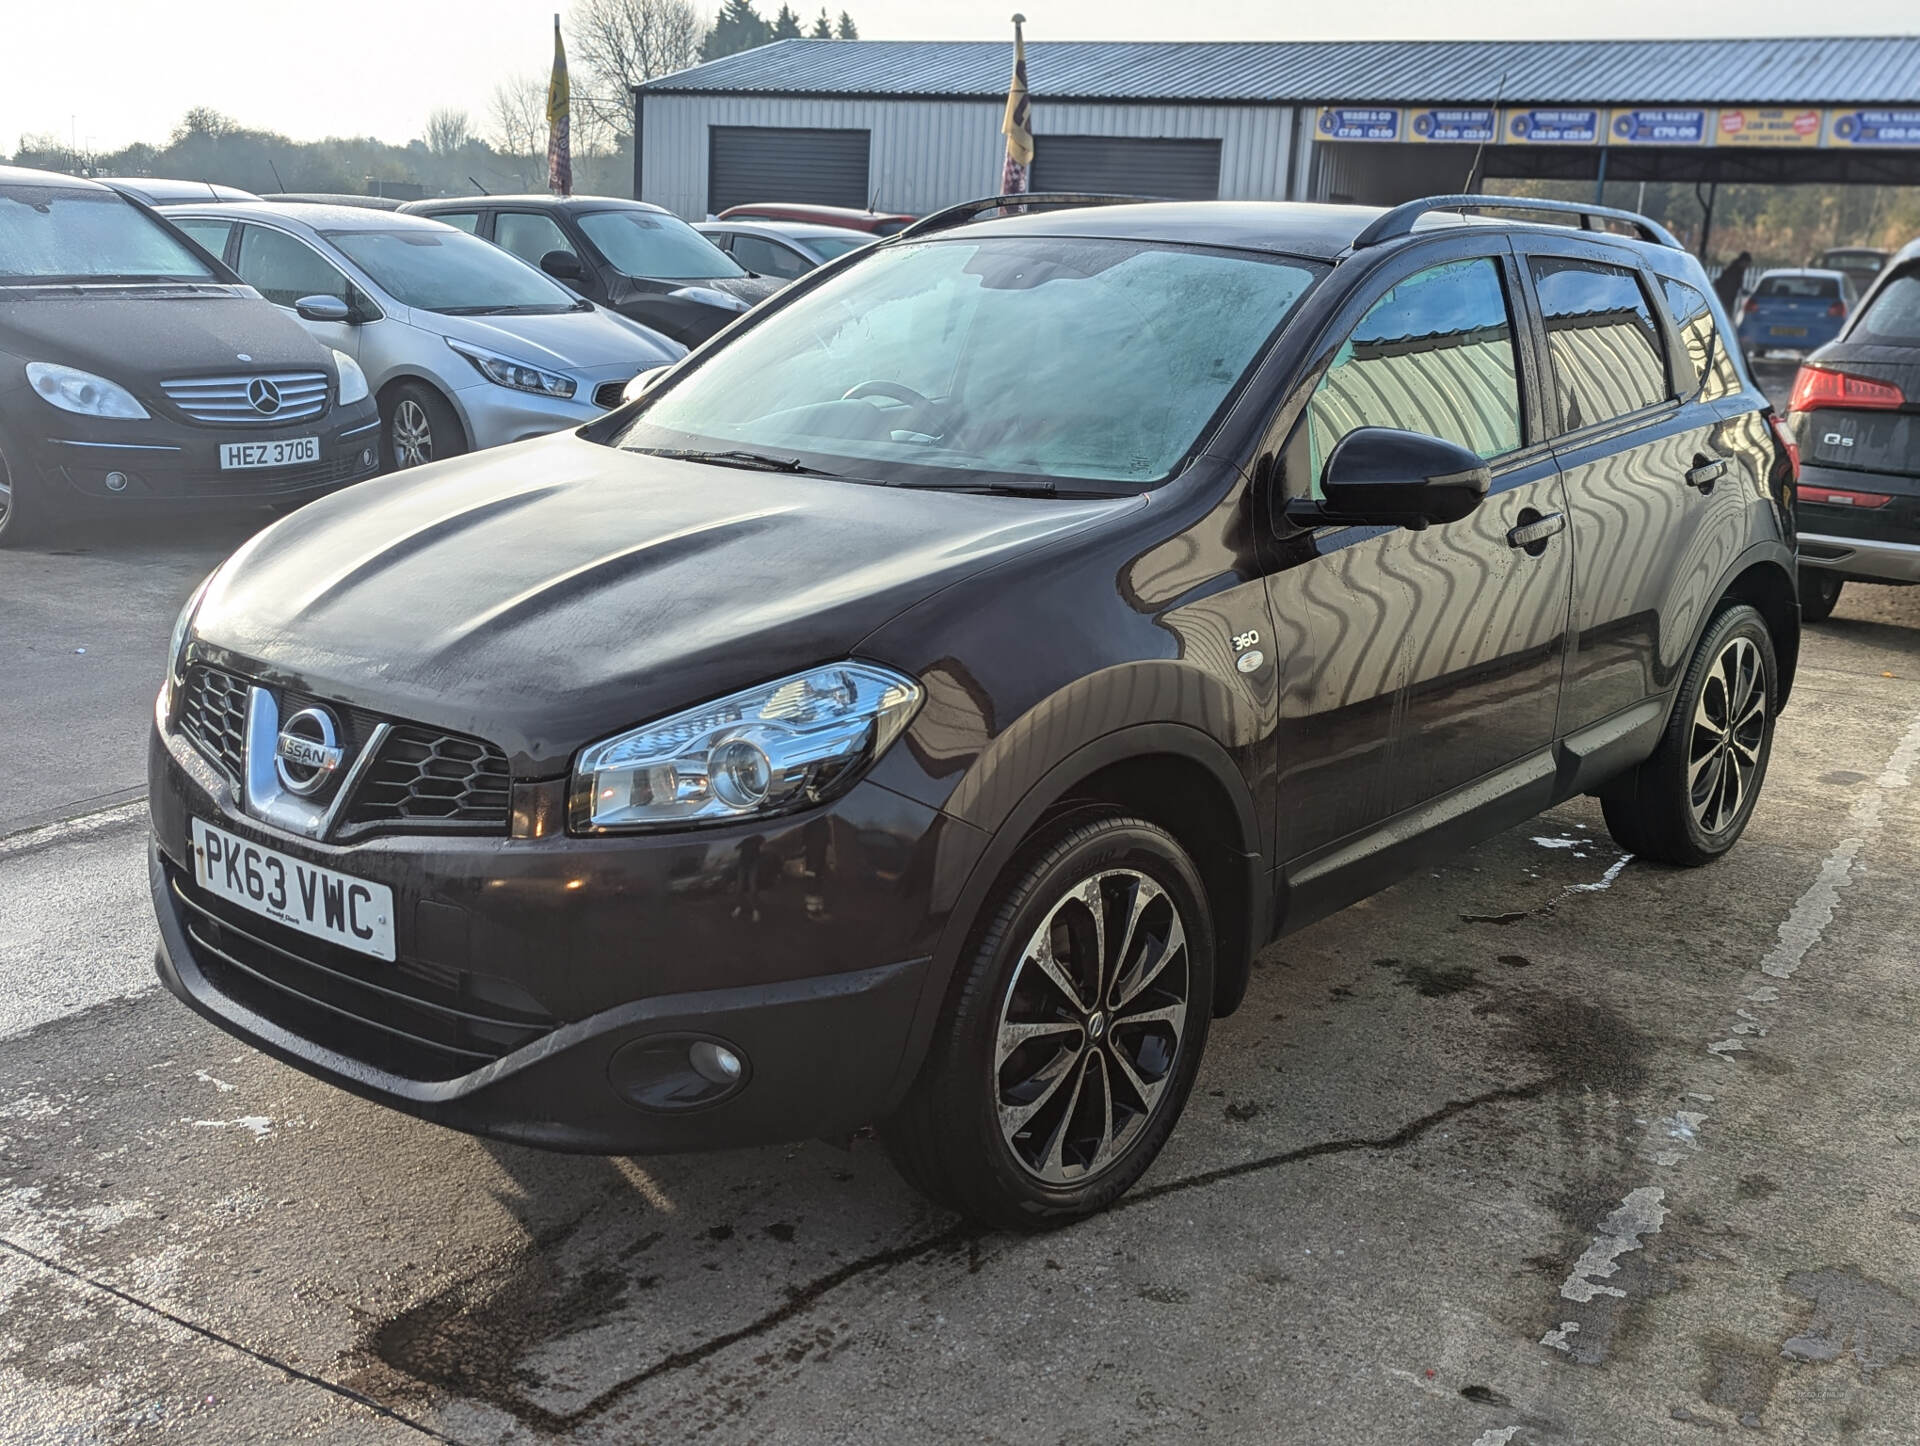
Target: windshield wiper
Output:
{"points": [[739, 457]]}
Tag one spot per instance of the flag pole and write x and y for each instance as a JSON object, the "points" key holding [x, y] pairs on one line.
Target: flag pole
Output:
{"points": [[1017, 124]]}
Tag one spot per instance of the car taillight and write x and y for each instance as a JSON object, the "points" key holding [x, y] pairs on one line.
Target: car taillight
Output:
{"points": [[1843, 497], [1839, 308], [1749, 307], [1784, 436], [1817, 387]]}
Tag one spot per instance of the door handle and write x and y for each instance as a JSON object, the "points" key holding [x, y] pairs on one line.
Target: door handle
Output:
{"points": [[1532, 534], [1703, 474]]}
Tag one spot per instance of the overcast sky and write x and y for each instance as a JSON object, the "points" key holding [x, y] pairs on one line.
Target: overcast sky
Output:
{"points": [[116, 71]]}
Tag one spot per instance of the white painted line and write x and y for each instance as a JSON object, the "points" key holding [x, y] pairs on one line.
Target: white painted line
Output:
{"points": [[1498, 1436], [1641, 1213], [72, 828]]}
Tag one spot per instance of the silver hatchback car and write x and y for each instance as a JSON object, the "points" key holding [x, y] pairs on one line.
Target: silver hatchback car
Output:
{"points": [[465, 345]]}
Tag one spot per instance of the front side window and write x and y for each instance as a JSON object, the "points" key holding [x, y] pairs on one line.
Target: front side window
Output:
{"points": [[1433, 355], [529, 235], [468, 221], [828, 247], [72, 233], [656, 245], [1703, 344], [1071, 358], [439, 269], [284, 269], [212, 235], [1601, 338], [768, 258]]}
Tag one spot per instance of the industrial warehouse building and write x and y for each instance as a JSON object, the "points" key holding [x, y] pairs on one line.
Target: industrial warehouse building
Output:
{"points": [[915, 125]]}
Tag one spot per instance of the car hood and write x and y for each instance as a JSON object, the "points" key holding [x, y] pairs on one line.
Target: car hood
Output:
{"points": [[138, 335], [552, 593], [571, 340]]}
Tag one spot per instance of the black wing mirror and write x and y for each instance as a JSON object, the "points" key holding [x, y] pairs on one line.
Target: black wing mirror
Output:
{"points": [[1384, 477], [562, 264], [321, 308]]}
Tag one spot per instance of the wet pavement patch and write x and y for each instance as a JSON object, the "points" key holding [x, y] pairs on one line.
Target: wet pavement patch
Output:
{"points": [[1431, 983], [1852, 1312], [1740, 1376]]}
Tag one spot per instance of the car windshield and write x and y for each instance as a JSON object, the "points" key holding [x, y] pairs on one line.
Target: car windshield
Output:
{"points": [[1817, 288], [654, 244], [440, 269], [828, 247], [72, 233], [1097, 360]]}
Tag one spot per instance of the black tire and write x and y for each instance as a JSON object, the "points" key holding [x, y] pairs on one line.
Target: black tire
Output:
{"points": [[1135, 1072], [23, 513], [1819, 593], [1679, 807], [412, 416]]}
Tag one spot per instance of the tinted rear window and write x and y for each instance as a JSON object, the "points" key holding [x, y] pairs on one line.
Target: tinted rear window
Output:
{"points": [[1602, 338], [1812, 288], [1703, 345], [1894, 315]]}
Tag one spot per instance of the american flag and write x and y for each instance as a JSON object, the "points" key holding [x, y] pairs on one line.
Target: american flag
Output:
{"points": [[559, 151]]}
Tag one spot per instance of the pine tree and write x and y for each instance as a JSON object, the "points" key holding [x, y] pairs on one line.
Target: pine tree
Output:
{"points": [[822, 28], [737, 27], [786, 25], [846, 29]]}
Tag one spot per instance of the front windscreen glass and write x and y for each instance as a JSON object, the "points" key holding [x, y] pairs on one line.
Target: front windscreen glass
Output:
{"points": [[1040, 357], [440, 269], [61, 233], [657, 246]]}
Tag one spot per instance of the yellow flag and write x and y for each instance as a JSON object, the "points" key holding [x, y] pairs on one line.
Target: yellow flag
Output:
{"points": [[1016, 124], [559, 123]]}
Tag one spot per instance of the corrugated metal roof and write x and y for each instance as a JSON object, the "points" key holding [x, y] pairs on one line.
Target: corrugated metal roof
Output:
{"points": [[1776, 71]]}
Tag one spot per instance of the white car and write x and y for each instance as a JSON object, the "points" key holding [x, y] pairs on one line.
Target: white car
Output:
{"points": [[783, 249], [465, 345]]}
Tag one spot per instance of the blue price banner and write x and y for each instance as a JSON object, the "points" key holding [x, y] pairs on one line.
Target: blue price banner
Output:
{"points": [[1359, 123], [1451, 127], [1873, 128], [1660, 128], [1551, 128]]}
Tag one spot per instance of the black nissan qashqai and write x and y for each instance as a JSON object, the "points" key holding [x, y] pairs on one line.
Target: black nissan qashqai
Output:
{"points": [[921, 704]]}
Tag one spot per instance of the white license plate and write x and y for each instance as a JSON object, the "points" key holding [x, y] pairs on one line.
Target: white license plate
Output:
{"points": [[283, 453], [353, 913], [1788, 331]]}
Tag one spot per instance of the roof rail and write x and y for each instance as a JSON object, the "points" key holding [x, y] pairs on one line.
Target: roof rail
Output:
{"points": [[959, 215], [1400, 220]]}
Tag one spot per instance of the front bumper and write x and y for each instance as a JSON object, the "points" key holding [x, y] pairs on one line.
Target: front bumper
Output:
{"points": [[802, 945], [495, 415], [89, 465]]}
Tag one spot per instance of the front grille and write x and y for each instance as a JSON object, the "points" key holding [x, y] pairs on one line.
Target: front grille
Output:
{"points": [[426, 778], [213, 713], [608, 394], [416, 1020], [227, 400]]}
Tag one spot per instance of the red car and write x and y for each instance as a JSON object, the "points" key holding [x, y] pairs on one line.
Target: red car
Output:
{"points": [[881, 223]]}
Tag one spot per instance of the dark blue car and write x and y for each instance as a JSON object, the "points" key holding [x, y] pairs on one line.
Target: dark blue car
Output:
{"points": [[1794, 311]]}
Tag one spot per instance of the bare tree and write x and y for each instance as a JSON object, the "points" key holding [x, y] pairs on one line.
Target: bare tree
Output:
{"points": [[616, 44], [518, 113], [447, 130]]}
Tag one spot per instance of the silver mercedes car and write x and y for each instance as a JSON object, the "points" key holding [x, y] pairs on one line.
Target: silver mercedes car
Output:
{"points": [[464, 345]]}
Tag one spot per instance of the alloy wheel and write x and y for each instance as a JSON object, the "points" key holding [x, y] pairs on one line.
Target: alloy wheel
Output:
{"points": [[6, 495], [412, 434], [1729, 731], [1091, 1026]]}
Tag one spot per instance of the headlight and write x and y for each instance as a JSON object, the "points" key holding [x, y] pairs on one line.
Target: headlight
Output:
{"points": [[634, 389], [353, 381], [771, 749], [516, 374], [177, 645], [711, 296], [72, 390]]}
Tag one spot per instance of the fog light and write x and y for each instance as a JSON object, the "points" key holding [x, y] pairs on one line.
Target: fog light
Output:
{"points": [[671, 1072], [368, 456], [116, 481]]}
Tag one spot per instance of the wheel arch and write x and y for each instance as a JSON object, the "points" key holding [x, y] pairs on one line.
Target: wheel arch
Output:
{"points": [[1767, 583], [383, 393]]}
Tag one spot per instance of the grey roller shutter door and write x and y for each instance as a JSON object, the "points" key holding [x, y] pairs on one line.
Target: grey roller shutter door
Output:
{"points": [[1183, 170], [746, 164]]}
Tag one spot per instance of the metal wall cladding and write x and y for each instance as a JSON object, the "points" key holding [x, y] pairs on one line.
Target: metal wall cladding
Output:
{"points": [[1805, 70], [927, 153]]}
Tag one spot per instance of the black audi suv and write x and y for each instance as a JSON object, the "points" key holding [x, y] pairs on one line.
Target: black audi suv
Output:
{"points": [[137, 371], [921, 706], [1856, 417]]}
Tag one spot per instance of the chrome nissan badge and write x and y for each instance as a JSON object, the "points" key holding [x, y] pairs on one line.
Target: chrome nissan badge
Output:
{"points": [[307, 752]]}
